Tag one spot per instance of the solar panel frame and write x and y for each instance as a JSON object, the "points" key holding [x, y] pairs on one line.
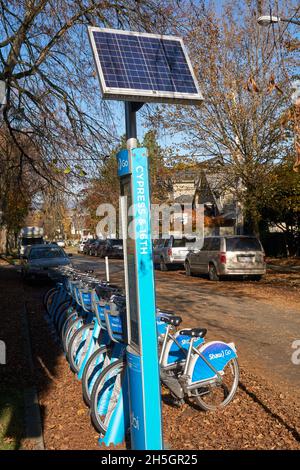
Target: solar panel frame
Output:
{"points": [[139, 94]]}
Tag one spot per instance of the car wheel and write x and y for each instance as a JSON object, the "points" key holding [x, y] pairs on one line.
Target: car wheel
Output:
{"points": [[188, 271], [162, 265], [212, 273]]}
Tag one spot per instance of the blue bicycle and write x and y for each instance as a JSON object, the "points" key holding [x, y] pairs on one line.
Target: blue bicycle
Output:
{"points": [[90, 317]]}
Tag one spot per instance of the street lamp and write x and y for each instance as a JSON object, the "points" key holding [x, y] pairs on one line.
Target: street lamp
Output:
{"points": [[266, 20]]}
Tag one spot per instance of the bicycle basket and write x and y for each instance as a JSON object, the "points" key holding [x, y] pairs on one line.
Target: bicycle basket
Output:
{"points": [[115, 319], [85, 299]]}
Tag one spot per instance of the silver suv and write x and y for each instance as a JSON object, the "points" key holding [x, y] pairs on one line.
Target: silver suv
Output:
{"points": [[171, 251], [227, 256]]}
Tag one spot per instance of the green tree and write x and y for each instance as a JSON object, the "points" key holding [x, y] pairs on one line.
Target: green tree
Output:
{"points": [[282, 208]]}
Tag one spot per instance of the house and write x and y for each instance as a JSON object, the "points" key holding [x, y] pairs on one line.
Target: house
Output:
{"points": [[207, 183]]}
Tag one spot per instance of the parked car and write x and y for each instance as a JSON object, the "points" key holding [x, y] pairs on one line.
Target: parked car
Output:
{"points": [[96, 248], [171, 251], [88, 245], [113, 248], [227, 256], [61, 243], [40, 261]]}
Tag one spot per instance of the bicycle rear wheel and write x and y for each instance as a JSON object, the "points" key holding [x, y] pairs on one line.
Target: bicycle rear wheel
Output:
{"points": [[105, 394]]}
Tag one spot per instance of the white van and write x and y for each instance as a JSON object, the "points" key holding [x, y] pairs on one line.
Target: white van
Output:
{"points": [[30, 236]]}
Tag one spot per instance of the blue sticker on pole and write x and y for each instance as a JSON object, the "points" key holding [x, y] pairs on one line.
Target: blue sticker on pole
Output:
{"points": [[123, 163]]}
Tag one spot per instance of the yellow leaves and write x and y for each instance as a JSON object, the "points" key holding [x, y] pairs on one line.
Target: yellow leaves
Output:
{"points": [[67, 170], [273, 86], [251, 85]]}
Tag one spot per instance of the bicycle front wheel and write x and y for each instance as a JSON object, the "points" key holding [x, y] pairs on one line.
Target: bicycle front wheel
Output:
{"points": [[78, 346], [98, 361], [218, 395], [105, 394]]}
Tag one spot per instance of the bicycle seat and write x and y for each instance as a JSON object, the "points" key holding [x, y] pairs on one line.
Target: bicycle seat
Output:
{"points": [[194, 332], [172, 320]]}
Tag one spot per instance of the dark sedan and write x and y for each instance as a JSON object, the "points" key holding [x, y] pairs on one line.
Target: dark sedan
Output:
{"points": [[96, 247], [87, 249], [113, 248]]}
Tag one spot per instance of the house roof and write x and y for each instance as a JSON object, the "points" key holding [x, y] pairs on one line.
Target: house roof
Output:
{"points": [[185, 199]]}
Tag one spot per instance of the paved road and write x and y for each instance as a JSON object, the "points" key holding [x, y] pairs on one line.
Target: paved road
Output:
{"points": [[263, 329]]}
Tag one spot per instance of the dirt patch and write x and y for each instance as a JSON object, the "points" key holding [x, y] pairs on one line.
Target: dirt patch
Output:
{"points": [[274, 287], [260, 417], [286, 262]]}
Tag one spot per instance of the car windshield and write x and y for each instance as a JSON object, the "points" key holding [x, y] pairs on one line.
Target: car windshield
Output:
{"points": [[47, 253], [181, 243], [242, 244], [31, 241]]}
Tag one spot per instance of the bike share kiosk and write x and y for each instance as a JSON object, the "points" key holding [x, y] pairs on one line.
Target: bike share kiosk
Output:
{"points": [[139, 68]]}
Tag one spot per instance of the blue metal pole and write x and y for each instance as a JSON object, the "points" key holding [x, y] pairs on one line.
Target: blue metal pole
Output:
{"points": [[142, 352]]}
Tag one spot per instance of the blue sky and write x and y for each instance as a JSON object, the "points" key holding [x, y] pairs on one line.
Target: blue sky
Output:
{"points": [[166, 140]]}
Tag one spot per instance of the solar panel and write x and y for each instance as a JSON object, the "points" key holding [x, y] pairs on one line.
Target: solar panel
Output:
{"points": [[143, 67]]}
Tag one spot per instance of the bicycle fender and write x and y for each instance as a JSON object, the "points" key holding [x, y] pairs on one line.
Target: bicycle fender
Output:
{"points": [[216, 353]]}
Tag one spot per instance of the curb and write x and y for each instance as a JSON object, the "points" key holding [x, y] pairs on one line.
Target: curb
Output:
{"points": [[33, 422]]}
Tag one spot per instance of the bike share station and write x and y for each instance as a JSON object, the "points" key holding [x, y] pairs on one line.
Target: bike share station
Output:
{"points": [[140, 68]]}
